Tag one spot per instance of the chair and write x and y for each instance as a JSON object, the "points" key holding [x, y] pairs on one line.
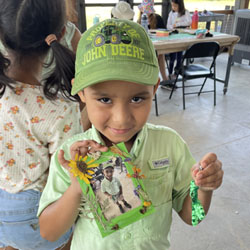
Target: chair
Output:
{"points": [[193, 71], [241, 29]]}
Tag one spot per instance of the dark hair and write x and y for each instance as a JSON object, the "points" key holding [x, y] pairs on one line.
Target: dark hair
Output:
{"points": [[152, 20], [24, 25], [181, 5]]}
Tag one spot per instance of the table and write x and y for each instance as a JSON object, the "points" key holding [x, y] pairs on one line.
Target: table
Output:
{"points": [[180, 42]]}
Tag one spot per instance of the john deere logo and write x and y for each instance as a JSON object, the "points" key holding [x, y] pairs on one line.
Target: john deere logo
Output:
{"points": [[99, 40], [112, 41], [111, 34]]}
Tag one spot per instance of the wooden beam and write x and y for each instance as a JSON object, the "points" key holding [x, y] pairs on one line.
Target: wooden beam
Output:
{"points": [[111, 4], [226, 12], [166, 8], [71, 12], [81, 15], [246, 4]]}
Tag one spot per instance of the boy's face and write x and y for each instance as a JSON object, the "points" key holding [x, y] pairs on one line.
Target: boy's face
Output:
{"points": [[118, 109], [108, 173]]}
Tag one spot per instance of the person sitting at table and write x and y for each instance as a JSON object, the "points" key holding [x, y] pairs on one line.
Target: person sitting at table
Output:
{"points": [[122, 10], [155, 21], [178, 17]]}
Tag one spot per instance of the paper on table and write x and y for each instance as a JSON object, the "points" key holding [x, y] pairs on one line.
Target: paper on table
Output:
{"points": [[187, 31]]}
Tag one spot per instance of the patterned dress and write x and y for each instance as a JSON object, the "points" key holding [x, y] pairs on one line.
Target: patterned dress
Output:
{"points": [[31, 129]]}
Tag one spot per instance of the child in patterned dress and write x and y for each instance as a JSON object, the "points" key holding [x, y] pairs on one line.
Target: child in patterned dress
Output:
{"points": [[38, 117]]}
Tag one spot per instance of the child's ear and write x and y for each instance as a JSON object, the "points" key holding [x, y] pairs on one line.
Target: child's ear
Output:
{"points": [[156, 86], [80, 94]]}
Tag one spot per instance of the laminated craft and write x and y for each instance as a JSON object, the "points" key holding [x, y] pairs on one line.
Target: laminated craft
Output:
{"points": [[113, 191]]}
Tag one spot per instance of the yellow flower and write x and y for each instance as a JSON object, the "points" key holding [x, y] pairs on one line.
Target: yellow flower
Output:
{"points": [[81, 168]]}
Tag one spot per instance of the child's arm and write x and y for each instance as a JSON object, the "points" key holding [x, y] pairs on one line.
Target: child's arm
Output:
{"points": [[63, 212], [109, 195], [170, 21], [58, 217], [208, 179]]}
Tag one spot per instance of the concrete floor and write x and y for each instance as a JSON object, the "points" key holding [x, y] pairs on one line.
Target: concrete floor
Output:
{"points": [[225, 130]]}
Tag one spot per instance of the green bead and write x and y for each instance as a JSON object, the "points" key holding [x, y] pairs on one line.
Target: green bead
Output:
{"points": [[198, 213]]}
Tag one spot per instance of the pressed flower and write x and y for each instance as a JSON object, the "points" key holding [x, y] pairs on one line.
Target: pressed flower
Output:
{"points": [[146, 203], [136, 173], [114, 149], [82, 167]]}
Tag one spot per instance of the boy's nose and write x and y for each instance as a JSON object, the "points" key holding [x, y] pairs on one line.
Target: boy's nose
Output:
{"points": [[121, 115]]}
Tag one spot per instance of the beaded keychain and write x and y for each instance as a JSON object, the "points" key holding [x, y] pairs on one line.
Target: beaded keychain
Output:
{"points": [[198, 213]]}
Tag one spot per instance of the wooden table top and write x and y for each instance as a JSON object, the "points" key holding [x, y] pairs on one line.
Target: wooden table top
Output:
{"points": [[180, 42]]}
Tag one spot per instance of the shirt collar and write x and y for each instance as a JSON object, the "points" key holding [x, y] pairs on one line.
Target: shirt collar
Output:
{"points": [[96, 135], [138, 143]]}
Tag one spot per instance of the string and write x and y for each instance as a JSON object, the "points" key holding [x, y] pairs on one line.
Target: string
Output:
{"points": [[198, 213]]}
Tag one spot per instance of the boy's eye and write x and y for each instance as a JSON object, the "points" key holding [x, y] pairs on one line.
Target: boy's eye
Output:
{"points": [[104, 100], [136, 99]]}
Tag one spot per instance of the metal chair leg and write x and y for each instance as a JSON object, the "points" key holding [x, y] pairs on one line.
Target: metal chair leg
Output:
{"points": [[214, 83], [202, 86], [183, 93], [214, 91], [173, 86], [156, 106]]}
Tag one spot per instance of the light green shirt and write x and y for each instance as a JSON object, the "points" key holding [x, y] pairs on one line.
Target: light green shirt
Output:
{"points": [[165, 160], [111, 187]]}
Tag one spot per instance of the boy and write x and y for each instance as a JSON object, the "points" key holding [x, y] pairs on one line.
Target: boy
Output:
{"points": [[116, 77], [111, 186]]}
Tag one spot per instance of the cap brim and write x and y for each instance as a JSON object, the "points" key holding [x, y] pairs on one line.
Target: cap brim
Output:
{"points": [[141, 73]]}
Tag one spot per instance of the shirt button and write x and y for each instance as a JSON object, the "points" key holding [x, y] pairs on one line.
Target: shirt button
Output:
{"points": [[127, 236]]}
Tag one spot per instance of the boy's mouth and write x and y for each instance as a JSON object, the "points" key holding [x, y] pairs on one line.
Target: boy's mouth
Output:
{"points": [[120, 131]]}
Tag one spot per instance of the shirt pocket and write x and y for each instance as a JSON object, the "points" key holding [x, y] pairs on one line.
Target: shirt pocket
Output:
{"points": [[158, 185]]}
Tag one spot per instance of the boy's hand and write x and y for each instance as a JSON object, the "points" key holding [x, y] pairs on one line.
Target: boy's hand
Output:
{"points": [[65, 164], [80, 148], [208, 174], [84, 147]]}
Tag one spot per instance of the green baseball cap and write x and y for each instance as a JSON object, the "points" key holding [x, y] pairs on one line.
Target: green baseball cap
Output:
{"points": [[107, 165], [115, 49]]}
